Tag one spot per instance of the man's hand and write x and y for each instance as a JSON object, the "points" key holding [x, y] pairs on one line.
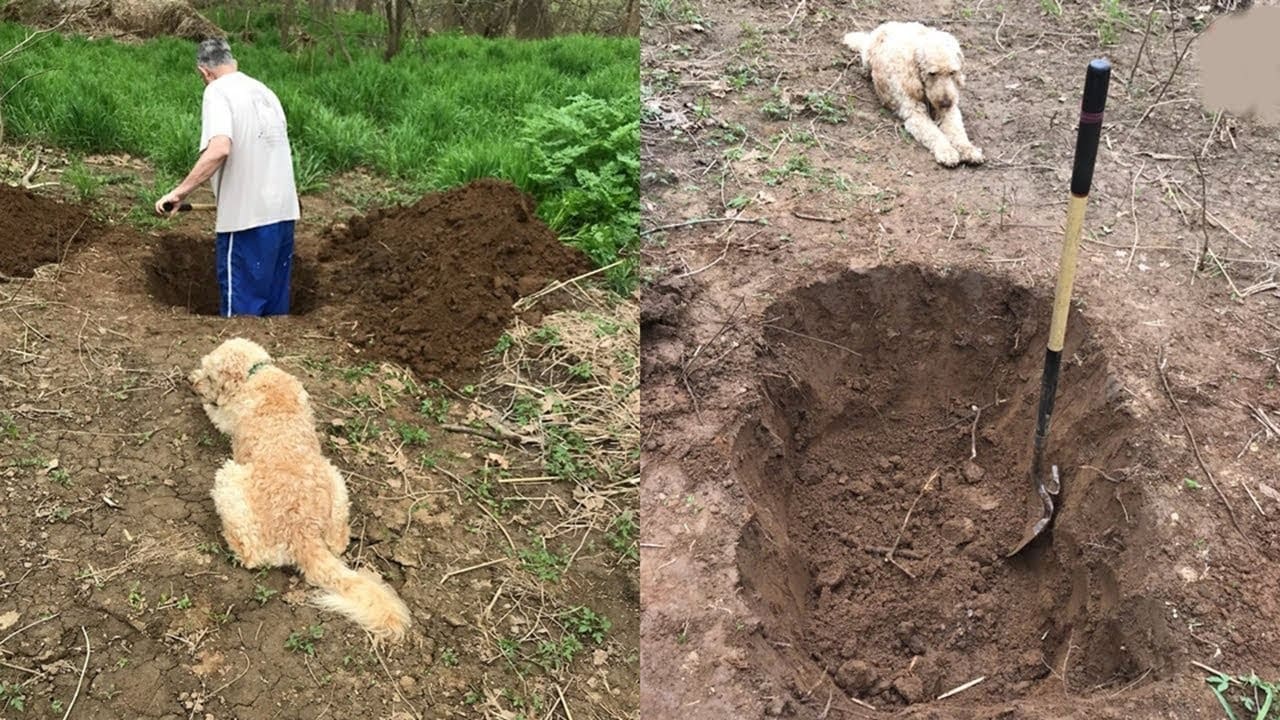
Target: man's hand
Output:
{"points": [[214, 155], [173, 197]]}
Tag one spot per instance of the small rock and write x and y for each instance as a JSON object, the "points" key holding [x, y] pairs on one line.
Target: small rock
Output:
{"points": [[916, 644], [973, 473], [407, 681], [856, 676], [910, 688], [454, 619], [884, 464], [359, 228], [959, 531], [832, 575]]}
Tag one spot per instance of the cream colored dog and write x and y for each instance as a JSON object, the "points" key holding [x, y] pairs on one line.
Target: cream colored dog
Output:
{"points": [[281, 502], [918, 72]]}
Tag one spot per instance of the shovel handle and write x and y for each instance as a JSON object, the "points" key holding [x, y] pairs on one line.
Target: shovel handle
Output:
{"points": [[1097, 78], [187, 207]]}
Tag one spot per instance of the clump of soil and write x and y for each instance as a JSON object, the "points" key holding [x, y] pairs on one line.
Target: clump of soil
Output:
{"points": [[880, 383], [182, 272], [432, 284], [37, 230]]}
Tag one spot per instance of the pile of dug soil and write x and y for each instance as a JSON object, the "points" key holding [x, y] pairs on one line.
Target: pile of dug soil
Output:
{"points": [[36, 230], [431, 285]]}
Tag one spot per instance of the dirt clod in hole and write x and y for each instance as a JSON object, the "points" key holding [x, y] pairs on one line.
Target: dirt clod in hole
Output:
{"points": [[181, 272], [851, 430]]}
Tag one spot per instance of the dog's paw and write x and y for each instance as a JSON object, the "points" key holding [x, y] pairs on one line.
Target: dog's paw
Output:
{"points": [[947, 156], [972, 155]]}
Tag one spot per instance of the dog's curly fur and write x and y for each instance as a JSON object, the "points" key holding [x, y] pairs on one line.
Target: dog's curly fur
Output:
{"points": [[918, 72], [281, 502]]}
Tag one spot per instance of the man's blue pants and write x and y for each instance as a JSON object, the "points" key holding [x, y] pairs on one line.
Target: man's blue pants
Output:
{"points": [[253, 270]]}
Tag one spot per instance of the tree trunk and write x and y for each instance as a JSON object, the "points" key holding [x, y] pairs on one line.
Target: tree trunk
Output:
{"points": [[286, 23], [450, 18], [364, 6], [395, 27], [631, 22], [532, 19]]}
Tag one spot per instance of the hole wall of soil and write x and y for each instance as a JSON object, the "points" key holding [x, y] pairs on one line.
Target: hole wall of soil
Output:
{"points": [[839, 451], [181, 272]]}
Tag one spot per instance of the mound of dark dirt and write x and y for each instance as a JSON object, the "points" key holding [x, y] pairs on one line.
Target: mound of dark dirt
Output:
{"points": [[181, 272], [432, 284], [134, 18], [36, 230], [900, 416]]}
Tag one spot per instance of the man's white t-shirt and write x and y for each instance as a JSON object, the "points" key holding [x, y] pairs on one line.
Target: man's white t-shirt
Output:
{"points": [[255, 185]]}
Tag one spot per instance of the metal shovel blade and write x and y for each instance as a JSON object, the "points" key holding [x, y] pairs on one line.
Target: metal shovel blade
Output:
{"points": [[1046, 492]]}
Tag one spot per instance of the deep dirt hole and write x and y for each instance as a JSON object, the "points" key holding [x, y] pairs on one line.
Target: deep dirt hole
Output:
{"points": [[181, 272], [841, 447]]}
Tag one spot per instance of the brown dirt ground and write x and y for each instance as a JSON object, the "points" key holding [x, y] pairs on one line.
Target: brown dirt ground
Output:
{"points": [[805, 379], [105, 465]]}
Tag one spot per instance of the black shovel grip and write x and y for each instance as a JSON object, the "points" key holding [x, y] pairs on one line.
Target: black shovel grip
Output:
{"points": [[168, 207], [1096, 80]]}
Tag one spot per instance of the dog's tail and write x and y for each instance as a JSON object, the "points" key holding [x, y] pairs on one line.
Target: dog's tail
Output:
{"points": [[857, 41], [361, 596]]}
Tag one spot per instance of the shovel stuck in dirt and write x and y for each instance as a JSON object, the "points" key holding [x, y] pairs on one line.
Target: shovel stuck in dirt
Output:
{"points": [[1096, 80]]}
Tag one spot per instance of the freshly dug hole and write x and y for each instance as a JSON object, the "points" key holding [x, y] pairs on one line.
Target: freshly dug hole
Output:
{"points": [[181, 272], [870, 383]]}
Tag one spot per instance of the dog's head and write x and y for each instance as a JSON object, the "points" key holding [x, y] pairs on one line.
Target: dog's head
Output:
{"points": [[223, 371], [940, 64]]}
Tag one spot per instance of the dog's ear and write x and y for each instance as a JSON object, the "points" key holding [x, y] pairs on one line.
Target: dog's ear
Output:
{"points": [[960, 79], [913, 83]]}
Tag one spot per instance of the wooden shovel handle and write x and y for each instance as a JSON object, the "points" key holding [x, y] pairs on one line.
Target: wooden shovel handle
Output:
{"points": [[187, 207]]}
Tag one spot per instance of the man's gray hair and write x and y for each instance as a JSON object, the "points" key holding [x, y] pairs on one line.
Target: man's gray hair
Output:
{"points": [[214, 52]]}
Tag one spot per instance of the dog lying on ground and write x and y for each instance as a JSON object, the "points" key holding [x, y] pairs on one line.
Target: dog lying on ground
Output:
{"points": [[281, 502], [918, 72]]}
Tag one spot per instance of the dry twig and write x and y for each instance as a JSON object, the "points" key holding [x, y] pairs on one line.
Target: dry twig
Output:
{"points": [[923, 488]]}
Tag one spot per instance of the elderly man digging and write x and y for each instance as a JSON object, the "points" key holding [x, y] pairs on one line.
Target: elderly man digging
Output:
{"points": [[244, 149]]}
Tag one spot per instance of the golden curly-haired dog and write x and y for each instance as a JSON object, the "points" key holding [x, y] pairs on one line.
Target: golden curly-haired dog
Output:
{"points": [[918, 72], [281, 502]]}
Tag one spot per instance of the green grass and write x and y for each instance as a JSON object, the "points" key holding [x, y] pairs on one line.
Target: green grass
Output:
{"points": [[1251, 696], [1112, 17], [542, 562], [559, 117], [12, 697], [304, 641], [587, 623]]}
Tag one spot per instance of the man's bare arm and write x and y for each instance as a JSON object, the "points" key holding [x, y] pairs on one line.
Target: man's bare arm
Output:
{"points": [[210, 160]]}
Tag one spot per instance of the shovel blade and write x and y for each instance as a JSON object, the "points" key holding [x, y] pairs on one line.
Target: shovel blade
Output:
{"points": [[1046, 492]]}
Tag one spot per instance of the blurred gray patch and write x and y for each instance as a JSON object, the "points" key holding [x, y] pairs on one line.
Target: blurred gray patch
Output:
{"points": [[1240, 65]]}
